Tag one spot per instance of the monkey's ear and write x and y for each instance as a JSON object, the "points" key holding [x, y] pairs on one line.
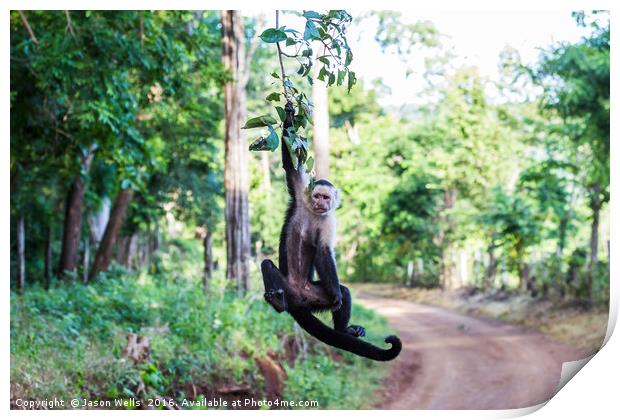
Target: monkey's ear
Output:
{"points": [[337, 198]]}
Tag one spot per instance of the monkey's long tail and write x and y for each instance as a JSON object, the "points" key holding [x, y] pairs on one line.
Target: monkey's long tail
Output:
{"points": [[344, 341]]}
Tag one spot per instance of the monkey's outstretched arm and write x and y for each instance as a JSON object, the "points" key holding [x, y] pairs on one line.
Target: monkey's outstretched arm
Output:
{"points": [[326, 269], [295, 173], [287, 161]]}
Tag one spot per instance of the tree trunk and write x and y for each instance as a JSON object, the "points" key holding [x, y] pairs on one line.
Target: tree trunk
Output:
{"points": [[208, 259], [504, 275], [595, 205], [72, 226], [491, 270], [122, 250], [266, 166], [129, 251], [86, 261], [448, 268], [420, 270], [320, 126], [104, 252], [411, 275], [463, 277], [132, 252], [524, 277], [236, 154], [47, 267], [562, 227], [264, 159], [153, 243], [73, 218], [21, 253]]}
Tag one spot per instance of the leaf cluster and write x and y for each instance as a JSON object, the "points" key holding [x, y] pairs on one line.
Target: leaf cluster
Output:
{"points": [[327, 32]]}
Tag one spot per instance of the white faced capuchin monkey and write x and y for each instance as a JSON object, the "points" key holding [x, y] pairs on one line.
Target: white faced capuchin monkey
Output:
{"points": [[307, 244]]}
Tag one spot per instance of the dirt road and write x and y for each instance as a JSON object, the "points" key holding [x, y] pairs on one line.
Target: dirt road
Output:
{"points": [[451, 361]]}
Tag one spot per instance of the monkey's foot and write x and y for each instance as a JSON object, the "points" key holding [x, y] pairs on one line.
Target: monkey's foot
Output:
{"points": [[356, 330], [276, 298]]}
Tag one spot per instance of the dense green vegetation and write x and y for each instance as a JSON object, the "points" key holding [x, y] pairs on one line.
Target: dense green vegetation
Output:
{"points": [[69, 341], [118, 157], [490, 184]]}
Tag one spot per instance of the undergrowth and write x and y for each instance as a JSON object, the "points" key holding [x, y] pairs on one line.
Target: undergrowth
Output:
{"points": [[67, 342]]}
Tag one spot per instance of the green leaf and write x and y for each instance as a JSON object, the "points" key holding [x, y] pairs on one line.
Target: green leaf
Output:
{"points": [[308, 68], [272, 139], [351, 80], [269, 143], [322, 74], [332, 79], [300, 121], [273, 35], [296, 142], [348, 58], [309, 165], [337, 47], [290, 41], [276, 75], [281, 113], [302, 153], [262, 121], [311, 14], [259, 145], [341, 74], [311, 32], [323, 59], [273, 96], [287, 142]]}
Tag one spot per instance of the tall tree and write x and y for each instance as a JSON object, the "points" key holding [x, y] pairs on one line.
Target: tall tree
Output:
{"points": [[207, 246], [127, 79], [117, 216], [21, 253], [576, 82], [73, 216], [463, 136], [320, 126], [236, 181]]}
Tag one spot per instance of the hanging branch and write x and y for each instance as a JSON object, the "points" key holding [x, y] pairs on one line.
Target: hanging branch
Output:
{"points": [[28, 28], [286, 95], [69, 24]]}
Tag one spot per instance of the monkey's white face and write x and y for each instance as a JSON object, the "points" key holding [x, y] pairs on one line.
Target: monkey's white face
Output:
{"points": [[323, 199]]}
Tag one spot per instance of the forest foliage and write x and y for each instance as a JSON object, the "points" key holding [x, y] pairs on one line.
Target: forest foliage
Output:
{"points": [[199, 347]]}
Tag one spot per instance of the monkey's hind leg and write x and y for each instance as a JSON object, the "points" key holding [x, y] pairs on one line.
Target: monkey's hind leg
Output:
{"points": [[274, 286]]}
